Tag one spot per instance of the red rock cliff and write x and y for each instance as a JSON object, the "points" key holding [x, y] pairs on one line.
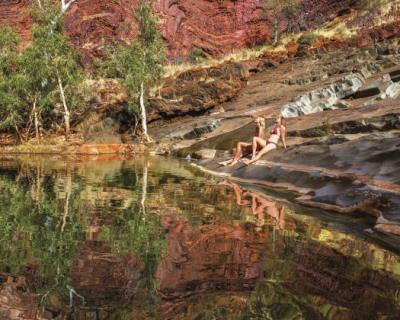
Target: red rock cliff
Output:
{"points": [[215, 26], [14, 13]]}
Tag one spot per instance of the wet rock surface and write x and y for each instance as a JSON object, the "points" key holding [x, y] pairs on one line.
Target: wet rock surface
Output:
{"points": [[342, 79], [348, 176], [343, 132]]}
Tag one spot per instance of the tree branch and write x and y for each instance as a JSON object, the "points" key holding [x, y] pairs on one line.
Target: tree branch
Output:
{"points": [[65, 5]]}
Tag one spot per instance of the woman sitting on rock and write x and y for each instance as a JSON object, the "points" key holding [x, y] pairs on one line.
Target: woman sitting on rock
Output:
{"points": [[244, 148], [278, 132]]}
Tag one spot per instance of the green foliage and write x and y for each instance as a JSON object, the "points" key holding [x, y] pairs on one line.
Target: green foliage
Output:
{"points": [[30, 227], [32, 77], [11, 82], [9, 41], [196, 56], [283, 9], [52, 53], [326, 128], [307, 39], [139, 62]]}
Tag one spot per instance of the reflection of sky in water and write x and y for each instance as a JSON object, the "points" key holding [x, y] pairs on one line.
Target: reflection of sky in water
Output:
{"points": [[154, 237]]}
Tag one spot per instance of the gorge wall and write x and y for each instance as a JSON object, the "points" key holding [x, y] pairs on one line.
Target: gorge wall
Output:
{"points": [[215, 27]]}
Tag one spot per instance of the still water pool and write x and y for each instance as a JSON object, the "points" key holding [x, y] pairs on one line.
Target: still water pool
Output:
{"points": [[154, 238]]}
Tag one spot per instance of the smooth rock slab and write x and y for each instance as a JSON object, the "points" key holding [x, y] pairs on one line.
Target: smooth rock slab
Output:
{"points": [[205, 154], [324, 99]]}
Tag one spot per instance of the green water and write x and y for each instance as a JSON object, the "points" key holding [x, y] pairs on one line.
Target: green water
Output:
{"points": [[154, 238]]}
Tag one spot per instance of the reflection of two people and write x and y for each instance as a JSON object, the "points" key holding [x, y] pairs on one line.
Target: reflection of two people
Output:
{"points": [[259, 205]]}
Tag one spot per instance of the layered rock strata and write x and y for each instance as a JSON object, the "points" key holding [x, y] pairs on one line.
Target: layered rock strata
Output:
{"points": [[211, 27]]}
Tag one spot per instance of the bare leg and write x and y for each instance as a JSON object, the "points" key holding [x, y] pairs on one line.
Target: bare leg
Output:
{"points": [[258, 143], [269, 147], [238, 154]]}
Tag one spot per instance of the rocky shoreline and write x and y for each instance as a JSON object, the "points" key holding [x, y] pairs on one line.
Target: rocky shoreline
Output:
{"points": [[343, 135], [343, 117], [69, 149]]}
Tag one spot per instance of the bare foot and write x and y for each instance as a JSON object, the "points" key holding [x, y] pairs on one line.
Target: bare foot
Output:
{"points": [[232, 163], [225, 163], [246, 161]]}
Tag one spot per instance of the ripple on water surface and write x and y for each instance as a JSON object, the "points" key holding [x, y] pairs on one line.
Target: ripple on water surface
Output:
{"points": [[148, 238]]}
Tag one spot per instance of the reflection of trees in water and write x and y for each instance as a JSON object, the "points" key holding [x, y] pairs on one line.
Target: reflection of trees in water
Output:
{"points": [[139, 231], [98, 231], [271, 301], [38, 224], [44, 212]]}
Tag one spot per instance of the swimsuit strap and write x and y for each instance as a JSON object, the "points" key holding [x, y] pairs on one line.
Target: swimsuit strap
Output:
{"points": [[276, 130]]}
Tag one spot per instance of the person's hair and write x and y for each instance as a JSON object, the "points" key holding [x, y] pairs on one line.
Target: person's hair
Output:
{"points": [[283, 120], [262, 122]]}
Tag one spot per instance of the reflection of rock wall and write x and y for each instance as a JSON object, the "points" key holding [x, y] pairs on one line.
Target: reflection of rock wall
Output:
{"points": [[209, 258], [310, 269], [102, 276], [18, 303], [217, 261]]}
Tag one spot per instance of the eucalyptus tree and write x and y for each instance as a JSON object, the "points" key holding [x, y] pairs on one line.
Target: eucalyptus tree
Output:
{"points": [[282, 9], [37, 86], [11, 82], [138, 65], [50, 51]]}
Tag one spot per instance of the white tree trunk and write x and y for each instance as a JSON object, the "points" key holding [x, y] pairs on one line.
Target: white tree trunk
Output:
{"points": [[276, 31], [68, 191], [143, 114], [65, 5], [36, 119], [67, 115], [144, 188]]}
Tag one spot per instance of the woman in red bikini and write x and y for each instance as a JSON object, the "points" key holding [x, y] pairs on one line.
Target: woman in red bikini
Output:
{"points": [[278, 132], [244, 148]]}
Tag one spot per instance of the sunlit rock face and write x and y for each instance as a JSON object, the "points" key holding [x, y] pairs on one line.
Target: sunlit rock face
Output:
{"points": [[93, 23], [214, 27], [197, 91]]}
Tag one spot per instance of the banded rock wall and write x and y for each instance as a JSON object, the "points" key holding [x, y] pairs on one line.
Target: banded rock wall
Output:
{"points": [[215, 27]]}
